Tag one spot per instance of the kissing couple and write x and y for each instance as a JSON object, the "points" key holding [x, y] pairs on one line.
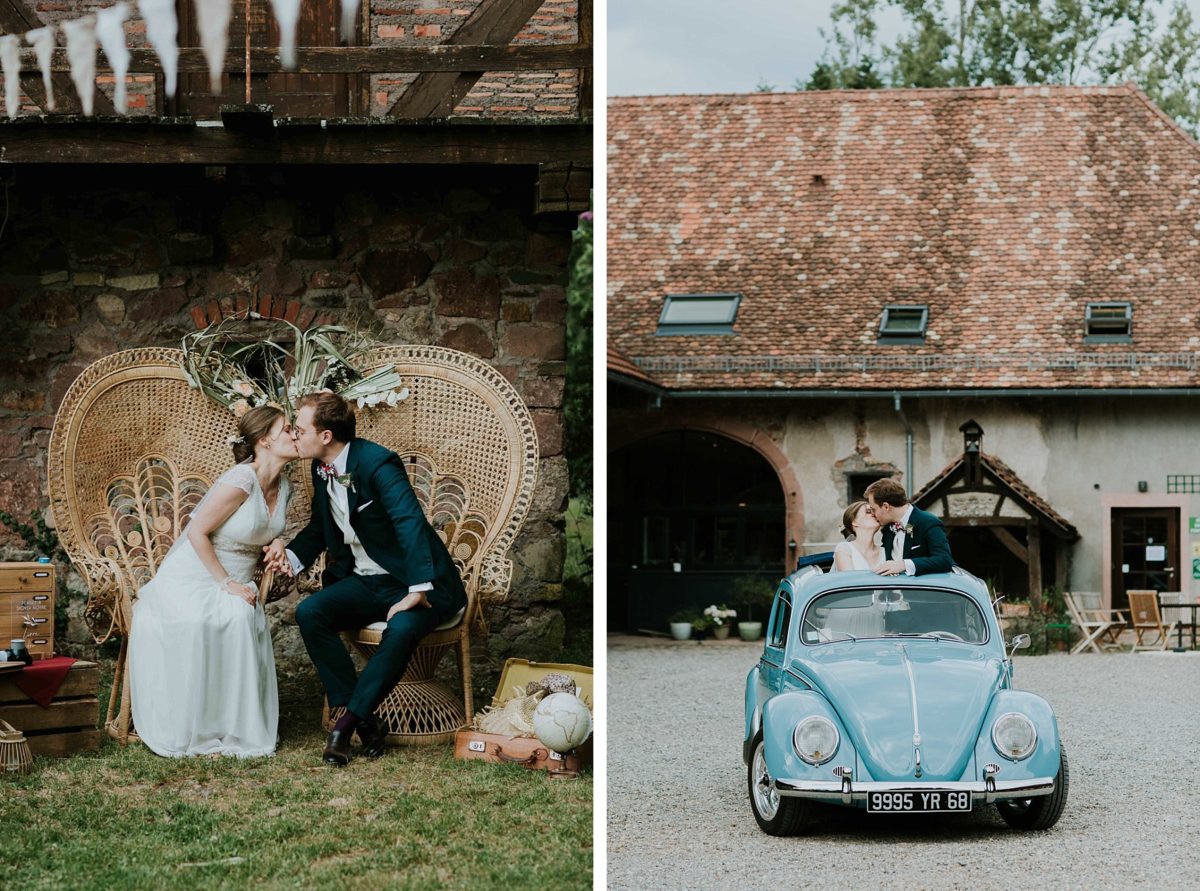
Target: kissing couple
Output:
{"points": [[201, 666], [913, 541]]}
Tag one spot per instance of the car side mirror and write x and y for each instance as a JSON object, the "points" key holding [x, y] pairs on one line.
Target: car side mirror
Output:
{"points": [[1020, 642]]}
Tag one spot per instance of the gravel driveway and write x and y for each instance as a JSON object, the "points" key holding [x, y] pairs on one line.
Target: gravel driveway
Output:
{"points": [[679, 816]]}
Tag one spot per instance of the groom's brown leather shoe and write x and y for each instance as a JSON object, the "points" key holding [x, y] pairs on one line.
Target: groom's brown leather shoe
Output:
{"points": [[337, 748], [373, 734]]}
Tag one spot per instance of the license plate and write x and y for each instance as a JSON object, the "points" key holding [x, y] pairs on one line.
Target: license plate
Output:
{"points": [[933, 801]]}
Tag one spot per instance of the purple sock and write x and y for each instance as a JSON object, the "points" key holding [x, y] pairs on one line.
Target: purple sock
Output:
{"points": [[348, 721]]}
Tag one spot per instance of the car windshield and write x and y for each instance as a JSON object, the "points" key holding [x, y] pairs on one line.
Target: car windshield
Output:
{"points": [[893, 613]]}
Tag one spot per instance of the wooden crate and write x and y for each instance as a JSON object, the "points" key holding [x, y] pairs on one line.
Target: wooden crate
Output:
{"points": [[69, 724], [27, 606]]}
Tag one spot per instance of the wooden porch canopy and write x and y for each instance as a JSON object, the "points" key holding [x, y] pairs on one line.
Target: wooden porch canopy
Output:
{"points": [[979, 490], [445, 72]]}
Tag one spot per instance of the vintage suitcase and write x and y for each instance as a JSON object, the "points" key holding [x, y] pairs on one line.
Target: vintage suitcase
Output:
{"points": [[27, 606], [527, 751]]}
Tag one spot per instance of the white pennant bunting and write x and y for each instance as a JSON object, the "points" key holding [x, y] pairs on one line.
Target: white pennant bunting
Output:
{"points": [[287, 13], [81, 53], [213, 18], [10, 61], [110, 31], [42, 41], [349, 16], [162, 30]]}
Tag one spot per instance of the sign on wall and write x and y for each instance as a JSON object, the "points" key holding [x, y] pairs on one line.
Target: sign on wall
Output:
{"points": [[1194, 525]]}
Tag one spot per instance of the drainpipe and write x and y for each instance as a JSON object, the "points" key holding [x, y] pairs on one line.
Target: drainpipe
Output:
{"points": [[908, 443]]}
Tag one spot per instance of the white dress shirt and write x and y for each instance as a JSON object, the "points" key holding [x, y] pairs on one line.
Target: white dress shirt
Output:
{"points": [[339, 505], [898, 543]]}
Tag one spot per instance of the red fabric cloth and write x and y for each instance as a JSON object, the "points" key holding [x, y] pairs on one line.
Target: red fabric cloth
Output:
{"points": [[41, 680]]}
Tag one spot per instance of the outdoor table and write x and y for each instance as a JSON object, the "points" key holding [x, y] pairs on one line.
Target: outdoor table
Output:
{"points": [[1193, 606]]}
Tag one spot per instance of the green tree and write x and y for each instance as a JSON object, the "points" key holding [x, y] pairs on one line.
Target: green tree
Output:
{"points": [[1003, 42]]}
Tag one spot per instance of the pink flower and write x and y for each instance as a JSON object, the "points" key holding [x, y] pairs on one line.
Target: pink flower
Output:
{"points": [[240, 408]]}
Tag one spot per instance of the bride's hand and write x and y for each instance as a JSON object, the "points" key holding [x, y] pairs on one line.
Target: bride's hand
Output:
{"points": [[238, 589]]}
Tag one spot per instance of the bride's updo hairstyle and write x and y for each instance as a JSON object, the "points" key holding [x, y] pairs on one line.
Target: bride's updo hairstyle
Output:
{"points": [[253, 426], [849, 517]]}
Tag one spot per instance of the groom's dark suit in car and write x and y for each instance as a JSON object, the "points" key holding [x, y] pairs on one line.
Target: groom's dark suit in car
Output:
{"points": [[392, 529], [927, 547]]}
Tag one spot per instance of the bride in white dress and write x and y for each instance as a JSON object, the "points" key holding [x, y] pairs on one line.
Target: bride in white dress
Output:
{"points": [[201, 668], [858, 552]]}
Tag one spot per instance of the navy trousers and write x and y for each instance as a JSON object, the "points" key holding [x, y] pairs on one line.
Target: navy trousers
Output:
{"points": [[355, 602]]}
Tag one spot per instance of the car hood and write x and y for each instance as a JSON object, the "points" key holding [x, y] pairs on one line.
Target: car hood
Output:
{"points": [[872, 685]]}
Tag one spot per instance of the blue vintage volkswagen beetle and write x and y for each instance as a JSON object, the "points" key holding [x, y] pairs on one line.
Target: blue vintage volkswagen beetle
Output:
{"points": [[895, 695]]}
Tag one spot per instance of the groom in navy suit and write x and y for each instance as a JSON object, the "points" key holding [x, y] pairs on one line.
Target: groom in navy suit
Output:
{"points": [[384, 563], [914, 540]]}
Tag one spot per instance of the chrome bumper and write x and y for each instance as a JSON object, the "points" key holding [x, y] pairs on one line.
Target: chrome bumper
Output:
{"points": [[846, 791]]}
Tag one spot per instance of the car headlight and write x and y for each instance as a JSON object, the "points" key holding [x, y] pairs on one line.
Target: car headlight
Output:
{"points": [[1014, 736], [815, 740]]}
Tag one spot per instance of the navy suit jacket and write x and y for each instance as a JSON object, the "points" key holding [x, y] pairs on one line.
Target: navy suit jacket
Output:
{"points": [[388, 519], [927, 547]]}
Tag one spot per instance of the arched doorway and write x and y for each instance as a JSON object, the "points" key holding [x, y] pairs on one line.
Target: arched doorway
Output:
{"points": [[689, 511]]}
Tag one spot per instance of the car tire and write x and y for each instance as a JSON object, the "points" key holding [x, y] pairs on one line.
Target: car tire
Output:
{"points": [[1041, 812], [775, 814]]}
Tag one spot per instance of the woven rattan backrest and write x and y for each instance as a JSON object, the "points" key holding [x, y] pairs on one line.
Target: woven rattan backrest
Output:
{"points": [[132, 451], [471, 452]]}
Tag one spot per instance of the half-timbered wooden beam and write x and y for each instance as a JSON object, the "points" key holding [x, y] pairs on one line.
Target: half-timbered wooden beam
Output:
{"points": [[16, 18], [354, 59], [1010, 541], [436, 94], [76, 140]]}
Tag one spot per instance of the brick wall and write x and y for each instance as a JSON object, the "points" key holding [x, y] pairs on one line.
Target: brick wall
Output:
{"points": [[97, 260]]}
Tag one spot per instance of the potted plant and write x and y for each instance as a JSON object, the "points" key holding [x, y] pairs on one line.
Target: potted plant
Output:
{"points": [[681, 624], [752, 594], [702, 626], [719, 616]]}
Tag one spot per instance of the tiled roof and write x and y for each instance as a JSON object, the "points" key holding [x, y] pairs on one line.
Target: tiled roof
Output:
{"points": [[1006, 210], [1008, 478], [622, 365]]}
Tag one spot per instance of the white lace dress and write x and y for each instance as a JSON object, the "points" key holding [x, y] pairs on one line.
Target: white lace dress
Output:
{"points": [[201, 668], [860, 562]]}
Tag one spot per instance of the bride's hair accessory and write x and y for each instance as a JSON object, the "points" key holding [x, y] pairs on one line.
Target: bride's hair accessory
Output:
{"points": [[234, 440]]}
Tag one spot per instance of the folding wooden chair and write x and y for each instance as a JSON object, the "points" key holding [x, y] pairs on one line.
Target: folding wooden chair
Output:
{"points": [[1143, 605], [1101, 627]]}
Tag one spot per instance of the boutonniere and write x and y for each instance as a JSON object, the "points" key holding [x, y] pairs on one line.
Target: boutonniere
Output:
{"points": [[908, 530], [326, 472]]}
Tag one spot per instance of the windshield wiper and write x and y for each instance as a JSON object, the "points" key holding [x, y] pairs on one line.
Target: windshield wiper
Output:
{"points": [[828, 631]]}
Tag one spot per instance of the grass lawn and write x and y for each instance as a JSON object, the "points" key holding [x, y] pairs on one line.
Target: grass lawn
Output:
{"points": [[416, 818]]}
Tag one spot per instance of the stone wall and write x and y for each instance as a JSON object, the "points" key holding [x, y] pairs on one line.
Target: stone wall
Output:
{"points": [[95, 260]]}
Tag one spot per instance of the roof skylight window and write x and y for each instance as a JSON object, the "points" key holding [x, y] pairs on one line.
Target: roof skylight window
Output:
{"points": [[904, 324], [698, 314]]}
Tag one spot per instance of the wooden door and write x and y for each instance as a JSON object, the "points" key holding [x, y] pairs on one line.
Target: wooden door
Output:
{"points": [[292, 95], [1145, 551]]}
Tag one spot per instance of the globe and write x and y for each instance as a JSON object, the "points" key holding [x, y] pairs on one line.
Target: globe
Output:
{"points": [[562, 721]]}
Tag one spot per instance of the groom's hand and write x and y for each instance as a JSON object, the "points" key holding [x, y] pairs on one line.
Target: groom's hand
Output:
{"points": [[275, 558], [415, 600], [891, 567]]}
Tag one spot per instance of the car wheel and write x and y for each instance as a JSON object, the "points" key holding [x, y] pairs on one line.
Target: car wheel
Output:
{"points": [[1041, 812], [775, 814]]}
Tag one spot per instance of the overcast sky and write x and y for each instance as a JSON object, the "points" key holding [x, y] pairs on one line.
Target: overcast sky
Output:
{"points": [[720, 46]]}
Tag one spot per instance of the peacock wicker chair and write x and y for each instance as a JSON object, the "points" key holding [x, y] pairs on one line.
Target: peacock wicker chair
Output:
{"points": [[132, 452], [469, 445]]}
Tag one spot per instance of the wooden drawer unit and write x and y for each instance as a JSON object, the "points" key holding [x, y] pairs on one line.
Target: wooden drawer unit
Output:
{"points": [[27, 606]]}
